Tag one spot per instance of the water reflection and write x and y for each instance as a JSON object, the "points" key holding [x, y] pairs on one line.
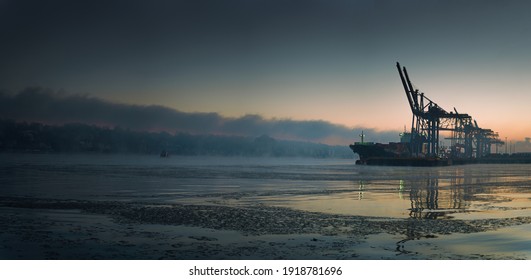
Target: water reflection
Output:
{"points": [[361, 189], [440, 192], [458, 192], [425, 200]]}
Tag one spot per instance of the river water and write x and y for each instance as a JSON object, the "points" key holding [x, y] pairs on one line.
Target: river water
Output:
{"points": [[334, 188]]}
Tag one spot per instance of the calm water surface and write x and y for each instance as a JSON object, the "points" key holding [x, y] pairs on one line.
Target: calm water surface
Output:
{"points": [[322, 185], [334, 186]]}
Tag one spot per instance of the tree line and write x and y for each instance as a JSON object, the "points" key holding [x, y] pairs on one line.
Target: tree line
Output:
{"points": [[83, 138]]}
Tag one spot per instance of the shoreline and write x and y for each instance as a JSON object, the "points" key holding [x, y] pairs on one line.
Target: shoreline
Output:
{"points": [[142, 230]]}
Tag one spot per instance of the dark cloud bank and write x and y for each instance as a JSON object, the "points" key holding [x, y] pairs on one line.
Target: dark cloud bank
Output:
{"points": [[50, 107]]}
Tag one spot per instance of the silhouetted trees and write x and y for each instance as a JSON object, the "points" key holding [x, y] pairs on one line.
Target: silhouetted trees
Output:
{"points": [[82, 138]]}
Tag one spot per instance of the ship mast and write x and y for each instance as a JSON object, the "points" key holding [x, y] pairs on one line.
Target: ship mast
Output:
{"points": [[362, 135]]}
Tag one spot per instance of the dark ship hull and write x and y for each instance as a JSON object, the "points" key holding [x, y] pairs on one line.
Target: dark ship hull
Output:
{"points": [[392, 154], [397, 154], [409, 161]]}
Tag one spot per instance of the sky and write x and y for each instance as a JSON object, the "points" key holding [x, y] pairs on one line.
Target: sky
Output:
{"points": [[306, 62]]}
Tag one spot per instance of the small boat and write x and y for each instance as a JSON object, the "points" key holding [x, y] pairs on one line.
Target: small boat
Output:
{"points": [[164, 154]]}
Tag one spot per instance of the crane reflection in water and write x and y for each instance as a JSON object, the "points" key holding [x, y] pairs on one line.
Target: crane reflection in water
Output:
{"points": [[436, 195], [441, 193]]}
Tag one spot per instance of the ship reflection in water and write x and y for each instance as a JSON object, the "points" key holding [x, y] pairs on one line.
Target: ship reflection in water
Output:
{"points": [[458, 192]]}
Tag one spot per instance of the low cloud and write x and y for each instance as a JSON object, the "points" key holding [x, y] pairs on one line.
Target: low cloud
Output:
{"points": [[47, 106]]}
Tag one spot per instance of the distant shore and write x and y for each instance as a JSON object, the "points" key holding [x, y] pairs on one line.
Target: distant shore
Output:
{"points": [[83, 138]]}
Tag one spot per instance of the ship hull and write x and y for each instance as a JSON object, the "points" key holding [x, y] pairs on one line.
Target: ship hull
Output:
{"points": [[407, 161], [393, 154]]}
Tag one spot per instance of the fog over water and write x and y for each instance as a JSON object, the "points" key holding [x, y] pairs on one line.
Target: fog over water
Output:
{"points": [[51, 107]]}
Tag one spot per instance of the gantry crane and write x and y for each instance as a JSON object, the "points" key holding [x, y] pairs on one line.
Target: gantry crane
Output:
{"points": [[429, 119]]}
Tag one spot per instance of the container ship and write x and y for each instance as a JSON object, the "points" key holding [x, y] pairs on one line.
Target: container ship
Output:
{"points": [[394, 154]]}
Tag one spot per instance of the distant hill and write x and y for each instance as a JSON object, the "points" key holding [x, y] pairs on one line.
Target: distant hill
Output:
{"points": [[82, 138]]}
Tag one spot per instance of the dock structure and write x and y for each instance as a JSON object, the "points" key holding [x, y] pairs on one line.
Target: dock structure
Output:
{"points": [[468, 140]]}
